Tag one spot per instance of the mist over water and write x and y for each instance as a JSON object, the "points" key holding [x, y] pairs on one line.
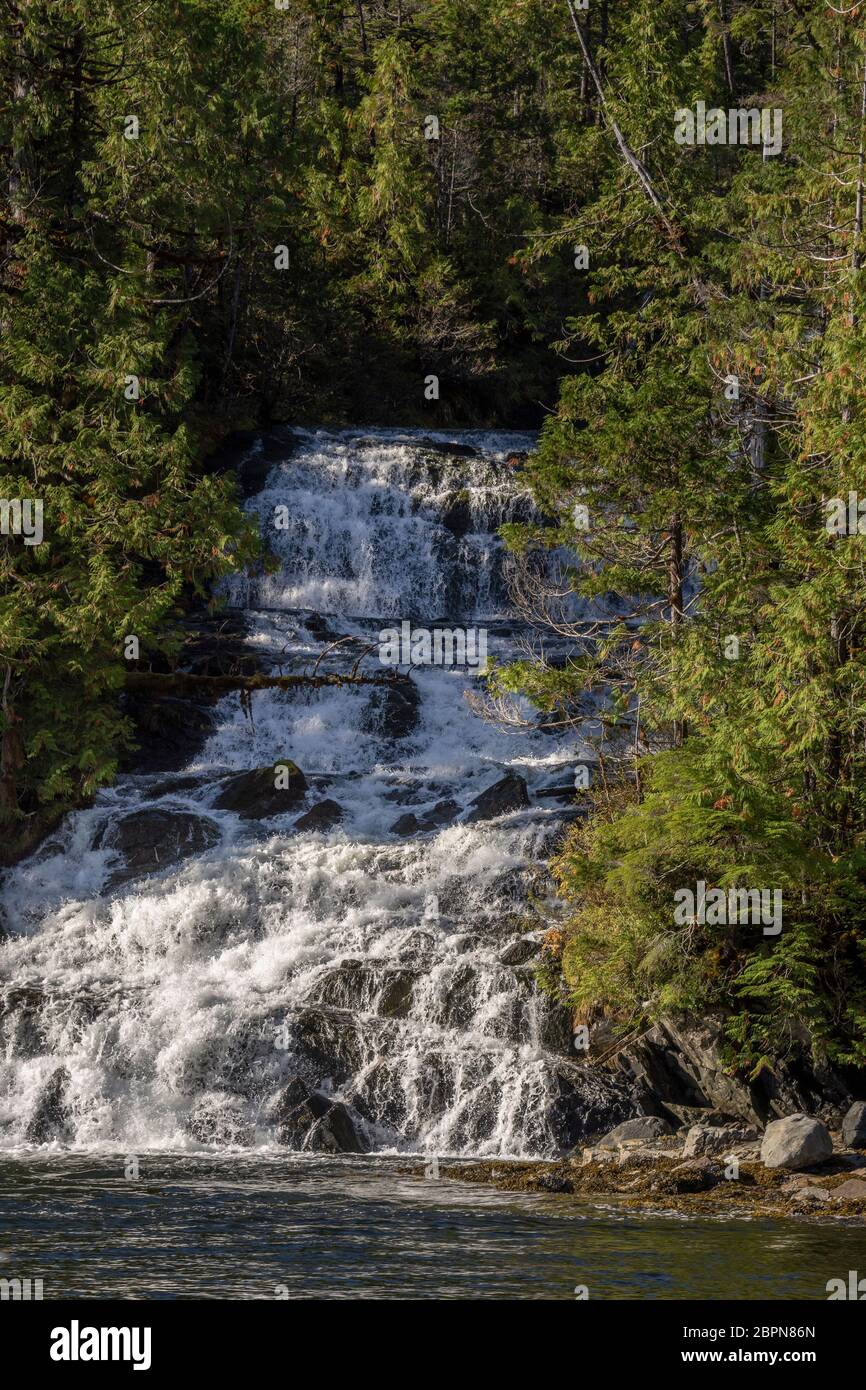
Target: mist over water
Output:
{"points": [[394, 973]]}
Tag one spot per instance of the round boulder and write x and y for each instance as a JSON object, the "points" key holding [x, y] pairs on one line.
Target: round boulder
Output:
{"points": [[645, 1127], [797, 1141]]}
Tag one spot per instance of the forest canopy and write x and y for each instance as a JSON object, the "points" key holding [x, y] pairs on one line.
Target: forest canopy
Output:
{"points": [[221, 213]]}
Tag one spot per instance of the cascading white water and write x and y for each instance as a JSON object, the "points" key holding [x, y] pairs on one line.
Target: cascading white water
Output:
{"points": [[389, 970]]}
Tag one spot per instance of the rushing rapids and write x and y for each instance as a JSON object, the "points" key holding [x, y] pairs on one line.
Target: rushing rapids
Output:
{"points": [[378, 955]]}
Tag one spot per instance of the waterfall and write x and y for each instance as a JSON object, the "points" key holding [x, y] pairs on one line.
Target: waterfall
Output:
{"points": [[272, 974]]}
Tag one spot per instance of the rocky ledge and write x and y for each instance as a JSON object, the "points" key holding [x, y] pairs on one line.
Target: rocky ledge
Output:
{"points": [[797, 1168]]}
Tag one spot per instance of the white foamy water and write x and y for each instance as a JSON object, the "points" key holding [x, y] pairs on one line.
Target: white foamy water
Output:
{"points": [[392, 972]]}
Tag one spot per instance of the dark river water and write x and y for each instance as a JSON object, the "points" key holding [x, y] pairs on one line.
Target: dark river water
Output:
{"points": [[307, 1227]]}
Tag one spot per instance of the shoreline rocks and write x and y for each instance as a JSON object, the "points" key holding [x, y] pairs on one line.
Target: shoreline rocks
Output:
{"points": [[797, 1141], [720, 1169], [662, 1182]]}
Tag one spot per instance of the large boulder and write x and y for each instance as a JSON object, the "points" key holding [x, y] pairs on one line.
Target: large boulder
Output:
{"points": [[156, 839], [508, 794], [854, 1126], [647, 1128], [797, 1141], [264, 791]]}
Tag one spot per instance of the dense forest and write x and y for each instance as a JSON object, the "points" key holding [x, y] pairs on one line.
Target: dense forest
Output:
{"points": [[221, 213]]}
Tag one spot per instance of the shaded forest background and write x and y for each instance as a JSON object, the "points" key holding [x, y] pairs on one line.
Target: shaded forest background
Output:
{"points": [[220, 213]]}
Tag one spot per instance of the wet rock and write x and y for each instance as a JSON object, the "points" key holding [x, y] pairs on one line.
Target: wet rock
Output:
{"points": [[22, 1022], [350, 985], [308, 1119], [323, 816], [218, 1117], [457, 517], [552, 1182], [520, 951], [443, 813], [587, 1102], [182, 785], [384, 1098], [296, 1125], [273, 447], [294, 1093], [854, 1126], [643, 1127], [395, 1000], [264, 791], [717, 1139], [554, 1026], [337, 1132], [365, 987], [153, 840], [247, 450], [336, 1043], [393, 710], [457, 1003], [797, 1141], [508, 794], [51, 1120], [565, 792], [318, 626], [296, 1122], [216, 645]]}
